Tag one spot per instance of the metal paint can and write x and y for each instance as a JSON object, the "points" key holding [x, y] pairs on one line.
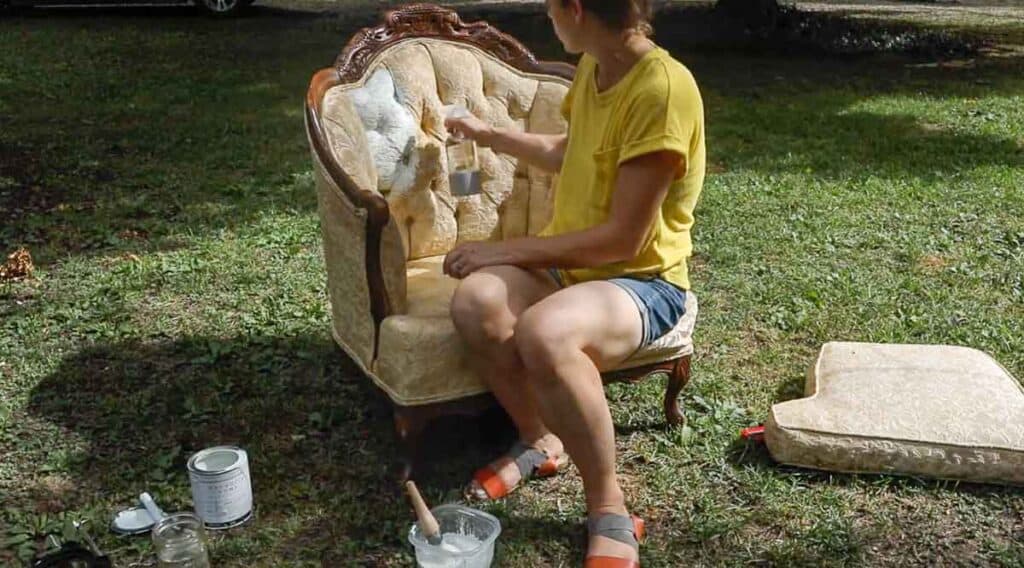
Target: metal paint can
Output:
{"points": [[221, 487]]}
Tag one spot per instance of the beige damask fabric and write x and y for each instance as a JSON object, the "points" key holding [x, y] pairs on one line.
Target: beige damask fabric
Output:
{"points": [[422, 359], [387, 133], [399, 152], [400, 107], [936, 411], [343, 229]]}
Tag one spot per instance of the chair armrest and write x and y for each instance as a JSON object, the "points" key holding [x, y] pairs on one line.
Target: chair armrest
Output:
{"points": [[362, 247]]}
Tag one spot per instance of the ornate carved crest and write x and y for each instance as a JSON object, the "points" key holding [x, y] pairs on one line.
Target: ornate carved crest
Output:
{"points": [[428, 20]]}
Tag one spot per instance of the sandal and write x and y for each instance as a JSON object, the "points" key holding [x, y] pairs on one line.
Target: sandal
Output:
{"points": [[531, 463], [627, 530]]}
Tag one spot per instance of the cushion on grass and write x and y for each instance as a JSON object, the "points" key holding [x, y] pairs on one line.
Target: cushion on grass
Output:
{"points": [[937, 411]]}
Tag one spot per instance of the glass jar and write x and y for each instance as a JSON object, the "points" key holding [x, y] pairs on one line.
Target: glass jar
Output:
{"points": [[180, 542], [463, 162]]}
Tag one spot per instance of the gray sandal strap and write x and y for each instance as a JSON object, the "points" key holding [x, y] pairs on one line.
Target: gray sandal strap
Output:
{"points": [[527, 458], [615, 527]]}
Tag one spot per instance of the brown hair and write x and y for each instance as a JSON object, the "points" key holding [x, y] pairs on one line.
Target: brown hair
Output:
{"points": [[621, 14]]}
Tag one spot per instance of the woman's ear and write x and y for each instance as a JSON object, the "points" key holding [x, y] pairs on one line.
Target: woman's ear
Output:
{"points": [[575, 8]]}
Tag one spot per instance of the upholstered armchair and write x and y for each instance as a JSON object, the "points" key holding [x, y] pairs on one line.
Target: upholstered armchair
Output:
{"points": [[375, 122]]}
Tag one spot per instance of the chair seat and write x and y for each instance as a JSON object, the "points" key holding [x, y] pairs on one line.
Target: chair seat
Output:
{"points": [[421, 359]]}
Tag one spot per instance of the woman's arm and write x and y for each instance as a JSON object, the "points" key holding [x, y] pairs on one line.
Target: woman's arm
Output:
{"points": [[641, 187], [544, 151]]}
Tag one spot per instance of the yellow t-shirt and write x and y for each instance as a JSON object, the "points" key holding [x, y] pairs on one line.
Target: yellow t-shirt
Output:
{"points": [[655, 106]]}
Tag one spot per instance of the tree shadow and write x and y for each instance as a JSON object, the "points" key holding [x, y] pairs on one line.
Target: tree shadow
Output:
{"points": [[830, 138], [133, 125], [755, 455], [176, 121], [320, 437], [140, 397], [782, 104]]}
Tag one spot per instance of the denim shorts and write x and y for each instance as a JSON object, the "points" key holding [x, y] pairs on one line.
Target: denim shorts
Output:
{"points": [[661, 304]]}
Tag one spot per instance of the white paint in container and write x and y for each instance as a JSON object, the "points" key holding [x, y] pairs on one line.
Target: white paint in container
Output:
{"points": [[221, 487]]}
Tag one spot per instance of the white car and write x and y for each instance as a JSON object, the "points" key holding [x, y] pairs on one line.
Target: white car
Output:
{"points": [[214, 7]]}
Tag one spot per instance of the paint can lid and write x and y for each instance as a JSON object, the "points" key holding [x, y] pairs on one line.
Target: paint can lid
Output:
{"points": [[135, 520], [216, 460]]}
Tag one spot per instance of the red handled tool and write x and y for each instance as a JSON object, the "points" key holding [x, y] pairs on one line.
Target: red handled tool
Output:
{"points": [[755, 433]]}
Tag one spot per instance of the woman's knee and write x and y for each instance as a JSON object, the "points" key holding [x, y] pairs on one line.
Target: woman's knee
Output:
{"points": [[480, 310], [543, 338]]}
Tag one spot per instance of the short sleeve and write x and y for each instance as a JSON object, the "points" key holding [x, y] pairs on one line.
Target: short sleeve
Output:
{"points": [[662, 116], [582, 70], [566, 107]]}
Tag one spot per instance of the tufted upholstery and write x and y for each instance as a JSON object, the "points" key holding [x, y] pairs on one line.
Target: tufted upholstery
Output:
{"points": [[939, 411], [400, 107], [387, 133]]}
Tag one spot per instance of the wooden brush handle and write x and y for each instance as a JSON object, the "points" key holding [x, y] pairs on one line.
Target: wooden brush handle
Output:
{"points": [[428, 524]]}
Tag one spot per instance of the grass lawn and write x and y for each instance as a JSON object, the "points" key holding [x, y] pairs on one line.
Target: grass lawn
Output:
{"points": [[156, 167]]}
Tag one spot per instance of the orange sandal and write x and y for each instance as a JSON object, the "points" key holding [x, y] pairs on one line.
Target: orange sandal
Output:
{"points": [[531, 463], [627, 530]]}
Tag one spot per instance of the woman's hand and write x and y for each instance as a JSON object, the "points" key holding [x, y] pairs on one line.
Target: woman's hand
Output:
{"points": [[471, 127], [467, 258]]}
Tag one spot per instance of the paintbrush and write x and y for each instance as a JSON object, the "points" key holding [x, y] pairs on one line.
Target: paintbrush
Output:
{"points": [[428, 524]]}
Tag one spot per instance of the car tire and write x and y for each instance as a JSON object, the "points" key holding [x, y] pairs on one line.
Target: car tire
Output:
{"points": [[222, 8]]}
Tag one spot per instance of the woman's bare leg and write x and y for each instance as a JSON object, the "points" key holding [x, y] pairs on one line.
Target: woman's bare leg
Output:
{"points": [[564, 340], [485, 309]]}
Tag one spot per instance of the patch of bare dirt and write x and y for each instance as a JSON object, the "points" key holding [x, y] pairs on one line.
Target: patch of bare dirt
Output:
{"points": [[932, 263]]}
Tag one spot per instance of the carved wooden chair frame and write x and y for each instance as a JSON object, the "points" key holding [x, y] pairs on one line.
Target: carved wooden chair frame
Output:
{"points": [[430, 21]]}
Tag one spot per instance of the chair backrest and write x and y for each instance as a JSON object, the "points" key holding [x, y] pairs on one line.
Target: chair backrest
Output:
{"points": [[385, 126]]}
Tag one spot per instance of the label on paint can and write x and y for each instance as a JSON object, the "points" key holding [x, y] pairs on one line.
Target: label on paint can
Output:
{"points": [[221, 487]]}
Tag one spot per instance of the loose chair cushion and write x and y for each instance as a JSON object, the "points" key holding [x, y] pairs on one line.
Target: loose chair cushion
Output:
{"points": [[936, 411]]}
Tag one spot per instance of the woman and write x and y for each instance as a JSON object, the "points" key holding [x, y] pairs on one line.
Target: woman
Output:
{"points": [[607, 276]]}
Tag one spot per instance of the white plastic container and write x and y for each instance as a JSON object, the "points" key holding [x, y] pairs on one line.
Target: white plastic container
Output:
{"points": [[468, 537]]}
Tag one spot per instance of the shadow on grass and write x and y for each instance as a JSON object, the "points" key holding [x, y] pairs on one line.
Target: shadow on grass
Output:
{"points": [[154, 122], [755, 454], [181, 121], [782, 105], [320, 438]]}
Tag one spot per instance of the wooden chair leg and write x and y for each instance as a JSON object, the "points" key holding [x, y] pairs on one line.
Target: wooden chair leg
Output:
{"points": [[677, 379], [409, 426], [412, 421]]}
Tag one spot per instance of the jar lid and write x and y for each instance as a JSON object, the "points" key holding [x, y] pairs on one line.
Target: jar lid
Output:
{"points": [[135, 520]]}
